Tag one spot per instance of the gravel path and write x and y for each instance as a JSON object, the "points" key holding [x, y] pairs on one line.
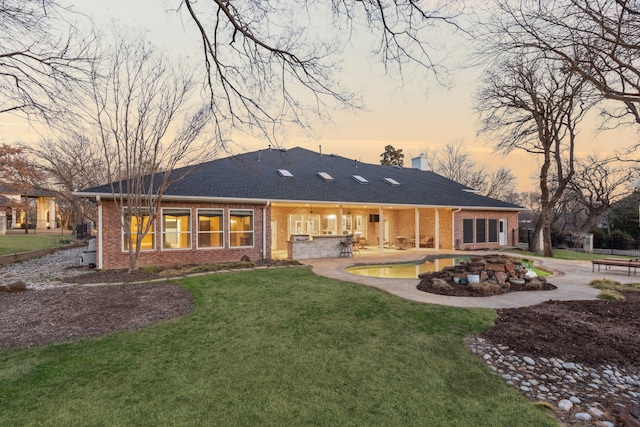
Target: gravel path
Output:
{"points": [[45, 272]]}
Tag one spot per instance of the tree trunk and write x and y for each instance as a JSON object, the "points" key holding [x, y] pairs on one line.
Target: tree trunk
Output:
{"points": [[546, 231], [534, 241]]}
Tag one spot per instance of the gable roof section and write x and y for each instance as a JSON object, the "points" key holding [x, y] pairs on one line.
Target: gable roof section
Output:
{"points": [[255, 176]]}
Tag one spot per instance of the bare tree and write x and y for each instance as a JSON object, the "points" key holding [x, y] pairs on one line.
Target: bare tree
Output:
{"points": [[43, 58], [595, 39], [17, 176], [598, 184], [148, 125], [273, 63], [69, 164], [455, 163], [527, 103]]}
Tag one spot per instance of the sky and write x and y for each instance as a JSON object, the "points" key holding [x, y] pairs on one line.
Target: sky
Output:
{"points": [[412, 115]]}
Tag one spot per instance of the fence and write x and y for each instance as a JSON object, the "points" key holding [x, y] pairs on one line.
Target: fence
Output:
{"points": [[615, 245]]}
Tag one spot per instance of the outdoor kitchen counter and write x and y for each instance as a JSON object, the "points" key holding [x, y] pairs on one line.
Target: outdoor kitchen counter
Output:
{"points": [[328, 246]]}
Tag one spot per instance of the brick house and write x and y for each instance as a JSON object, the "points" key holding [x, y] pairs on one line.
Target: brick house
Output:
{"points": [[259, 204]]}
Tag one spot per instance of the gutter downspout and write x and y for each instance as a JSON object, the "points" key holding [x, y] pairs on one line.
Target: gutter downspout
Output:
{"points": [[264, 229], [99, 203], [453, 227]]}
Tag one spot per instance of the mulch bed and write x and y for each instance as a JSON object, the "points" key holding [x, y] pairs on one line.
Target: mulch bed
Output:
{"points": [[59, 315], [589, 332], [462, 290]]}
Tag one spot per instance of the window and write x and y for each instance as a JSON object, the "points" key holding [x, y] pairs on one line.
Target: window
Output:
{"points": [[493, 230], [467, 231], [210, 228], [325, 176], [359, 179], [329, 224], [392, 182], [481, 230], [148, 241], [285, 173], [176, 228], [240, 228]]}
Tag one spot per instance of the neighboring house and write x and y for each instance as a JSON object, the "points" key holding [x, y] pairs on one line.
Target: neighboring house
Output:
{"points": [[33, 206], [257, 203]]}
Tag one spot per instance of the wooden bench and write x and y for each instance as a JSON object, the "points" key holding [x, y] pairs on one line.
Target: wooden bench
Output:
{"points": [[609, 262]]}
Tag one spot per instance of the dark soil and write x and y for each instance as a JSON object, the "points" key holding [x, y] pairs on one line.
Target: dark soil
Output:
{"points": [[589, 332], [53, 316]]}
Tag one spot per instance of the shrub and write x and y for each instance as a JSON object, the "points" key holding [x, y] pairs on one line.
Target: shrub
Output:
{"points": [[600, 237], [611, 295], [621, 240], [151, 269], [604, 284], [533, 284], [485, 288], [439, 283], [630, 287]]}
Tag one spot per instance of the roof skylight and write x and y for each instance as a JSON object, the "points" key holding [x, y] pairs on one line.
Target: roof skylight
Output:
{"points": [[360, 179], [391, 181], [285, 173], [325, 176]]}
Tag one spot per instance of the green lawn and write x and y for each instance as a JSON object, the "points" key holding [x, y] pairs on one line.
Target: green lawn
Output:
{"points": [[11, 244], [278, 347], [569, 255]]}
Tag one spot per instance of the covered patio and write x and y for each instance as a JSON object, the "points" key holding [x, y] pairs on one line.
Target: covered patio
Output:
{"points": [[373, 228]]}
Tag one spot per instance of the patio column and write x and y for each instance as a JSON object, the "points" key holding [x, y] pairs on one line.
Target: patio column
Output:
{"points": [[381, 229], [52, 214], [417, 234], [340, 229], [436, 243]]}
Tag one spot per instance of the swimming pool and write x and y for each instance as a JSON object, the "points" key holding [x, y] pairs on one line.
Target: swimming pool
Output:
{"points": [[407, 270]]}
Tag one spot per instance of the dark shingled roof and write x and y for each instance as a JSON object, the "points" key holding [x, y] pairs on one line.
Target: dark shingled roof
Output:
{"points": [[255, 175]]}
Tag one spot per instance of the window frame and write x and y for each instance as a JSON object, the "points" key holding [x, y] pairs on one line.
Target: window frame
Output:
{"points": [[179, 233], [465, 224], [222, 233], [253, 228], [496, 227], [481, 230], [151, 232]]}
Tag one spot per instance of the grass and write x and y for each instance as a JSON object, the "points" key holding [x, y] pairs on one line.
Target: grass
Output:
{"points": [[274, 347], [570, 255], [12, 244], [529, 265]]}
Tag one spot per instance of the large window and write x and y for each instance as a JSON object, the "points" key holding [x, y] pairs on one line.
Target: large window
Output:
{"points": [[493, 230], [210, 228], [240, 228], [138, 225], [176, 228], [467, 231], [304, 224], [481, 230]]}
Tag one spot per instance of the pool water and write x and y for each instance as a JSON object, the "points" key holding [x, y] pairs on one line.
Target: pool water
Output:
{"points": [[407, 270]]}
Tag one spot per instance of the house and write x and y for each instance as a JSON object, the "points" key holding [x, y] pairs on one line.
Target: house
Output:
{"points": [[298, 203], [34, 207]]}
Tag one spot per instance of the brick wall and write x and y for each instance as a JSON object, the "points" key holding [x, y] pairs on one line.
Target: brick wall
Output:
{"points": [[113, 255], [512, 223]]}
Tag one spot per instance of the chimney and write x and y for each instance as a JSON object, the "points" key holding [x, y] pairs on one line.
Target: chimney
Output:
{"points": [[421, 162]]}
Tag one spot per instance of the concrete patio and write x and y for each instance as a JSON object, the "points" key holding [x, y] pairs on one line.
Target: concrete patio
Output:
{"points": [[571, 277]]}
